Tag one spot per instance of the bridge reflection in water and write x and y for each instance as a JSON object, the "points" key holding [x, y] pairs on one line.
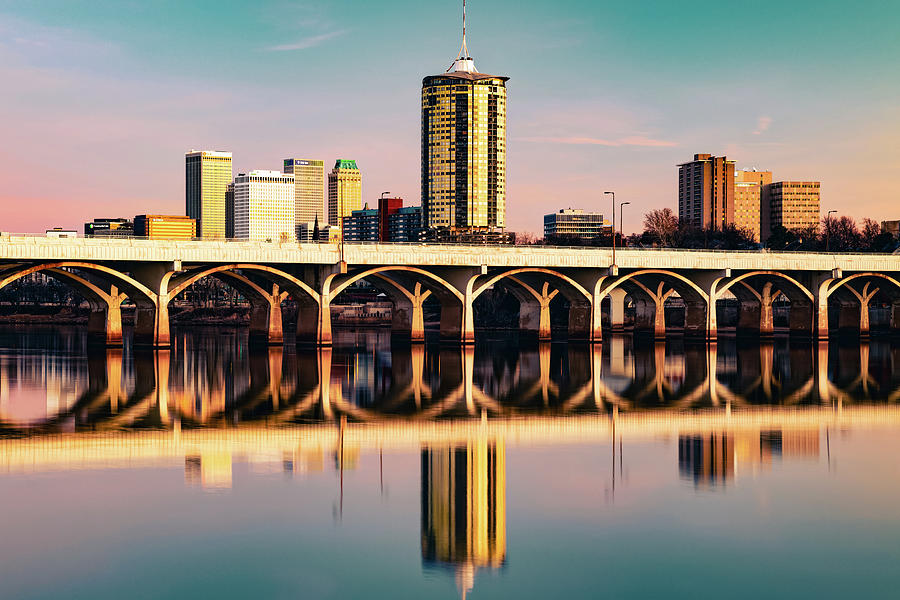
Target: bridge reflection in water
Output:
{"points": [[212, 402]]}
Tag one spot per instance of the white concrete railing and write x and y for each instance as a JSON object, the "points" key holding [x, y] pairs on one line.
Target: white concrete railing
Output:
{"points": [[40, 248]]}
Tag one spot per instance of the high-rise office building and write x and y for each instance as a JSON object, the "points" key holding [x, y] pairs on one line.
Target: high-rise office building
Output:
{"points": [[706, 191], [344, 190], [309, 188], [749, 197], [207, 175], [792, 205], [264, 206], [464, 147], [464, 508]]}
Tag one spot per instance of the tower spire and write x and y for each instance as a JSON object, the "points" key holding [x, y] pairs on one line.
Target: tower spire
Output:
{"points": [[463, 61]]}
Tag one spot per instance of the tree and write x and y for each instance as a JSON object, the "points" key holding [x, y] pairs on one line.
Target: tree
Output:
{"points": [[841, 234], [661, 225]]}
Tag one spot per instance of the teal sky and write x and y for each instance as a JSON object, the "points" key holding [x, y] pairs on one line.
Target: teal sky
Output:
{"points": [[102, 98]]}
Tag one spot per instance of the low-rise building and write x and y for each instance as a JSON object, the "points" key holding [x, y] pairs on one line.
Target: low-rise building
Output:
{"points": [[362, 225], [59, 232], [792, 205], [469, 235], [891, 227], [405, 225], [165, 227], [109, 228], [575, 223]]}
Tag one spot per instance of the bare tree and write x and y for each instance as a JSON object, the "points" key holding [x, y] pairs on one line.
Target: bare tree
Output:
{"points": [[661, 225]]}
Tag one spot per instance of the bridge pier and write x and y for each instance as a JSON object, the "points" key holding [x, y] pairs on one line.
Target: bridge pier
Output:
{"points": [[650, 318], [616, 309], [151, 324], [697, 322]]}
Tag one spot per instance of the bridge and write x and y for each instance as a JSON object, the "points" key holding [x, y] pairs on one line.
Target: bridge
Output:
{"points": [[825, 291]]}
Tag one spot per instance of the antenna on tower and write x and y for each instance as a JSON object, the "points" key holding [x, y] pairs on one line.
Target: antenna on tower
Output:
{"points": [[463, 61], [464, 51]]}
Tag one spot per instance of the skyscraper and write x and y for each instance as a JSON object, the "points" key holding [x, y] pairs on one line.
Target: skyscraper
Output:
{"points": [[309, 189], [464, 146], [749, 198], [344, 190], [264, 206], [706, 191], [207, 175]]}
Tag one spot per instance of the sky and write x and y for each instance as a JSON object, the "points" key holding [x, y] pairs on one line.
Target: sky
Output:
{"points": [[101, 99]]}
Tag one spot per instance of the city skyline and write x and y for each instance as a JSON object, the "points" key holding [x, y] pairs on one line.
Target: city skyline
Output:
{"points": [[94, 82]]}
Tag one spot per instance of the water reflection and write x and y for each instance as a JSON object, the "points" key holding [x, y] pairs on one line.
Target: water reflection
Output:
{"points": [[208, 381], [464, 508]]}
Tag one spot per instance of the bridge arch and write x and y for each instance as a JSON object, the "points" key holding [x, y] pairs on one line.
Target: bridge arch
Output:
{"points": [[102, 294], [853, 302], [648, 290]]}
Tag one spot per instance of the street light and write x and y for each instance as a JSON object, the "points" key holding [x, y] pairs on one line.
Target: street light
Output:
{"points": [[622, 220], [613, 194], [828, 229]]}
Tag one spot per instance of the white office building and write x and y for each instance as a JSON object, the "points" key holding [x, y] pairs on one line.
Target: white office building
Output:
{"points": [[264, 206]]}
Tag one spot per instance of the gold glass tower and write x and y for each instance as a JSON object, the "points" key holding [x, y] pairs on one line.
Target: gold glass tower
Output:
{"points": [[309, 189], [344, 190], [207, 175], [464, 146]]}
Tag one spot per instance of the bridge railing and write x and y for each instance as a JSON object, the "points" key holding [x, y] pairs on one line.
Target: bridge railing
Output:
{"points": [[141, 239]]}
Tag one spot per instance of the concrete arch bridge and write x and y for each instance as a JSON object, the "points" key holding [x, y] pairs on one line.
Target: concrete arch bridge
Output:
{"points": [[825, 291]]}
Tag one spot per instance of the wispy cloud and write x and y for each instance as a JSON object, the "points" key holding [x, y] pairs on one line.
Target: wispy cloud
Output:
{"points": [[308, 42], [762, 124], [633, 140]]}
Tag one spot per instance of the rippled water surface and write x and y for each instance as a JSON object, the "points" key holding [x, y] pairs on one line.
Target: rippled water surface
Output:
{"points": [[511, 469]]}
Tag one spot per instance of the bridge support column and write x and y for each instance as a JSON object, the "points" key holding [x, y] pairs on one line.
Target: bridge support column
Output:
{"points": [[151, 324], [266, 324], [650, 318], [105, 320], [534, 308], [864, 297], [616, 309]]}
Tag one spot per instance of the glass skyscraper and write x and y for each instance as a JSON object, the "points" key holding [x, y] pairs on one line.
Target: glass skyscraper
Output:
{"points": [[207, 175], [464, 147]]}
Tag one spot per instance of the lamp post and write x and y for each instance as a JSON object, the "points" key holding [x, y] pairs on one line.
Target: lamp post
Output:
{"points": [[613, 194], [622, 221], [828, 230]]}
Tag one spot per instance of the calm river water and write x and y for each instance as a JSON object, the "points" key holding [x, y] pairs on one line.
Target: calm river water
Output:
{"points": [[507, 470]]}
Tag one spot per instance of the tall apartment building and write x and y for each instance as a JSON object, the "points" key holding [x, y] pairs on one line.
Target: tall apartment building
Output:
{"points": [[344, 190], [464, 147], [309, 188], [207, 175], [749, 198], [264, 206], [706, 191], [792, 205], [575, 223]]}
